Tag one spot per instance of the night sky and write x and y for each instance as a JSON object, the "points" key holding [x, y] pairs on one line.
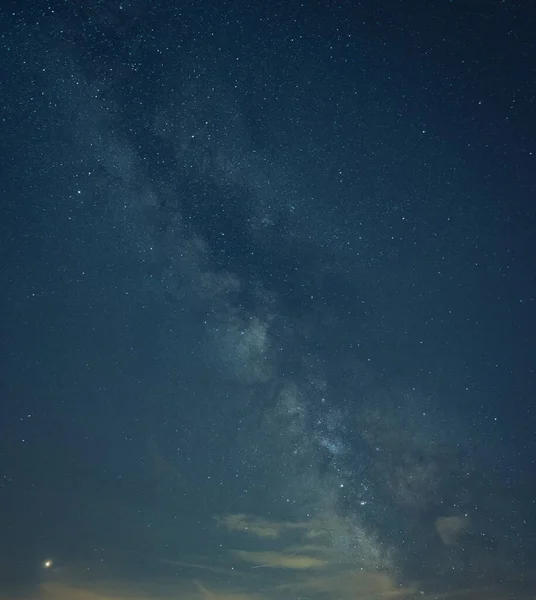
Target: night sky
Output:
{"points": [[267, 321]]}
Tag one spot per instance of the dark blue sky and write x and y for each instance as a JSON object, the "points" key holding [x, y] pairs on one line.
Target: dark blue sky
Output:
{"points": [[268, 303]]}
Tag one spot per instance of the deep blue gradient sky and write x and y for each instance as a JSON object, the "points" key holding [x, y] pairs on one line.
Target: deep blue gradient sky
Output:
{"points": [[268, 298]]}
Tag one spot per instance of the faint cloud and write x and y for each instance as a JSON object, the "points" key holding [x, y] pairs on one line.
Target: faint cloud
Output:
{"points": [[281, 560], [207, 594], [307, 544], [253, 525], [59, 591], [349, 584], [451, 529], [258, 526]]}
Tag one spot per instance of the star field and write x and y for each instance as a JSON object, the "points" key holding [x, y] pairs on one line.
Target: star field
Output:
{"points": [[268, 300]]}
